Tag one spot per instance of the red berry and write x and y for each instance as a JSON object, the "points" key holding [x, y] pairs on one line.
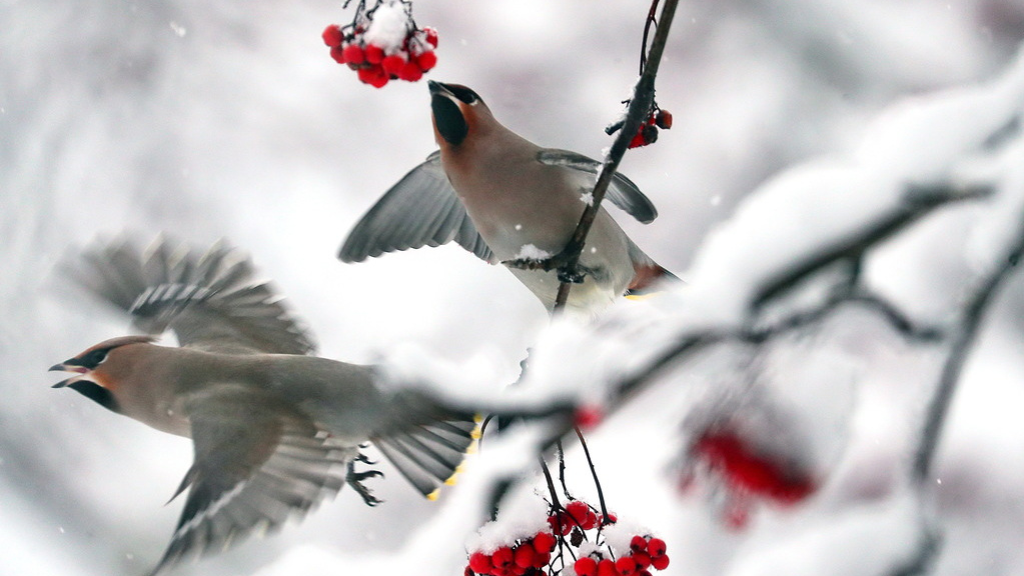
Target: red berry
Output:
{"points": [[637, 141], [541, 559], [656, 548], [517, 570], [502, 557], [544, 542], [468, 572], [354, 54], [560, 524], [625, 566], [374, 76], [606, 567], [410, 72], [524, 555], [393, 64], [338, 54], [643, 559], [659, 563], [480, 562], [663, 119], [609, 519], [585, 566], [332, 35], [374, 54], [650, 133], [650, 119], [587, 417], [431, 36], [426, 61], [638, 544], [578, 511], [644, 572]]}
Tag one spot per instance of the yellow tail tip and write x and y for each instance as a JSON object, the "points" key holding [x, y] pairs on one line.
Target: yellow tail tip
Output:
{"points": [[433, 495]]}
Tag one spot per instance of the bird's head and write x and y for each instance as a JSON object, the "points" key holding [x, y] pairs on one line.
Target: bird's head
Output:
{"points": [[98, 367], [458, 113]]}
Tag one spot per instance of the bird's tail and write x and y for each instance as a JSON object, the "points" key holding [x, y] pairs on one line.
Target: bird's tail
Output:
{"points": [[648, 279], [431, 455]]}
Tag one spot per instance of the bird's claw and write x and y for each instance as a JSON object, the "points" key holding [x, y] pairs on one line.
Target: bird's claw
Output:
{"points": [[355, 480], [566, 273], [571, 276]]}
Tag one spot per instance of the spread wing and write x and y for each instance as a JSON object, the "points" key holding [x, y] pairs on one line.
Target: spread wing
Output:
{"points": [[210, 300], [622, 191], [421, 210], [257, 464]]}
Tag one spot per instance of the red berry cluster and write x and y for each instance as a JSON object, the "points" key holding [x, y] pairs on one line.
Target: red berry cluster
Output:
{"points": [[526, 557], [648, 131], [645, 553], [746, 471], [749, 475], [376, 64]]}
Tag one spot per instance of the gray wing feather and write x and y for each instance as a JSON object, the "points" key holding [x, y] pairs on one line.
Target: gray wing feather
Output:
{"points": [[257, 464], [210, 300], [422, 209], [622, 191]]}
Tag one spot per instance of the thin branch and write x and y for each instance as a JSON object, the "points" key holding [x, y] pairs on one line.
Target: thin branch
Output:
{"points": [[639, 106], [960, 349], [593, 472]]}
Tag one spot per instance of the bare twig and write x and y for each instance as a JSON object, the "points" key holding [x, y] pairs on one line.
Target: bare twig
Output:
{"points": [[960, 348], [639, 106]]}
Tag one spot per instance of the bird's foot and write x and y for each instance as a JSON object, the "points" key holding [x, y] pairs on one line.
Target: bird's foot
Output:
{"points": [[355, 480], [561, 263]]}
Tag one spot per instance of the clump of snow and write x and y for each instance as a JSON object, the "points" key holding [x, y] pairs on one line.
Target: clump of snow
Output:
{"points": [[514, 523], [531, 252], [389, 27], [587, 198]]}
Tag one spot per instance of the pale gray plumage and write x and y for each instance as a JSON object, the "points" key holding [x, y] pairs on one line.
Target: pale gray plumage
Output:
{"points": [[275, 430], [505, 198]]}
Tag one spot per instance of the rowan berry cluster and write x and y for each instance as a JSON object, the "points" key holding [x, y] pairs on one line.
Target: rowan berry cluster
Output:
{"points": [[578, 533], [748, 475], [526, 557], [648, 131], [645, 553], [383, 44]]}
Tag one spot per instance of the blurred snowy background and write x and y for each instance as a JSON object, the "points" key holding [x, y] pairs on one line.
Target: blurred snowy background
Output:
{"points": [[228, 119]]}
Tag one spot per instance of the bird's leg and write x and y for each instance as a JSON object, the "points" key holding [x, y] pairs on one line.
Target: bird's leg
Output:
{"points": [[355, 480]]}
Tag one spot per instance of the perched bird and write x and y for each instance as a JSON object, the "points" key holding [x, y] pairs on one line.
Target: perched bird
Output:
{"points": [[504, 198], [275, 429]]}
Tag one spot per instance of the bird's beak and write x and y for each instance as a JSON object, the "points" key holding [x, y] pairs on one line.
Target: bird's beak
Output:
{"points": [[437, 88], [66, 368]]}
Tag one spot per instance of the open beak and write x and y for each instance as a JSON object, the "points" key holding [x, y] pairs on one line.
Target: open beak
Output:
{"points": [[66, 368]]}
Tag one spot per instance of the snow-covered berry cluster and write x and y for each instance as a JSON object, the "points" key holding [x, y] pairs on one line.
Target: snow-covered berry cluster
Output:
{"points": [[525, 557], [645, 553], [581, 542], [383, 44], [747, 474], [648, 131]]}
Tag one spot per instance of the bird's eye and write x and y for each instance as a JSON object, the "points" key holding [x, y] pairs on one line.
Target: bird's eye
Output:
{"points": [[464, 94], [94, 358]]}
